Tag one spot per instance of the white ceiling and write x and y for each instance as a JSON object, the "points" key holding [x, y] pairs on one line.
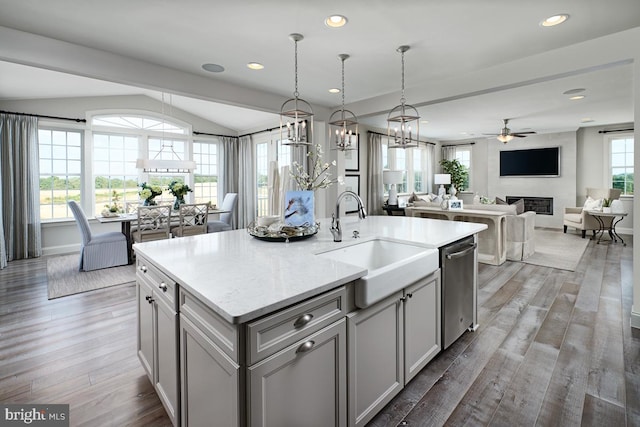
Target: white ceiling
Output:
{"points": [[470, 65]]}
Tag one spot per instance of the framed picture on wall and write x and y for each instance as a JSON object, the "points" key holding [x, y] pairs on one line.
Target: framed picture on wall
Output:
{"points": [[351, 182], [352, 157]]}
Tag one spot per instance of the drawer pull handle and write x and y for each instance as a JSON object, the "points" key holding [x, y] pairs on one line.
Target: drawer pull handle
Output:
{"points": [[163, 286], [143, 268], [306, 347], [149, 298], [303, 320]]}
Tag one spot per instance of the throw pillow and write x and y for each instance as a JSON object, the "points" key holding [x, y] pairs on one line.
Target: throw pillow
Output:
{"points": [[519, 206], [420, 202], [499, 201], [412, 198], [591, 204]]}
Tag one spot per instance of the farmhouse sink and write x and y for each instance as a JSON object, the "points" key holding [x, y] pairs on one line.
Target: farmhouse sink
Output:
{"points": [[391, 266]]}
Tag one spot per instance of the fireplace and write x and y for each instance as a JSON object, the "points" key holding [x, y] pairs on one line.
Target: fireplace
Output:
{"points": [[540, 205]]}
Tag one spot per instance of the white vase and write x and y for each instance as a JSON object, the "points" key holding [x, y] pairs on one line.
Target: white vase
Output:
{"points": [[606, 209]]}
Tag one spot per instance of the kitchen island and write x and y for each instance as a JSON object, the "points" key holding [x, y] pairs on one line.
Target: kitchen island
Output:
{"points": [[234, 330]]}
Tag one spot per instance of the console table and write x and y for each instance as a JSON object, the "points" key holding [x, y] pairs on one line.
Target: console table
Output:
{"points": [[392, 210], [492, 242], [600, 217]]}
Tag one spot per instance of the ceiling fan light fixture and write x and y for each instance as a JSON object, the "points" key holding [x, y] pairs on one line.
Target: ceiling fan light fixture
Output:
{"points": [[505, 138], [296, 115], [402, 117], [555, 20]]}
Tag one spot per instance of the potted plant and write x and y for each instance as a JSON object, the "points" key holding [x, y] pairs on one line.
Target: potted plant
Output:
{"points": [[458, 172], [606, 205]]}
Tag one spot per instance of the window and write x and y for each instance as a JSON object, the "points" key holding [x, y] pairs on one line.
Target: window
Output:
{"points": [[206, 186], [463, 155], [621, 171], [267, 149], [60, 171], [115, 177], [416, 164]]}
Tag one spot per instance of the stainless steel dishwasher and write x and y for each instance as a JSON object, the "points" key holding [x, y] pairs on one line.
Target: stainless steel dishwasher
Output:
{"points": [[457, 264]]}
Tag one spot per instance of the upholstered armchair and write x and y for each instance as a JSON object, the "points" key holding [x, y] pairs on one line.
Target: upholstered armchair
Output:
{"points": [[226, 219], [579, 219], [99, 250]]}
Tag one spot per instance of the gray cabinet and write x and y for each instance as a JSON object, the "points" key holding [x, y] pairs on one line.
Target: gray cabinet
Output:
{"points": [[157, 334], [210, 380], [303, 384], [389, 343]]}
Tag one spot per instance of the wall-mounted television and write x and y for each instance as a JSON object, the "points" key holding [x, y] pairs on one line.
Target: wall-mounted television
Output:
{"points": [[540, 162]]}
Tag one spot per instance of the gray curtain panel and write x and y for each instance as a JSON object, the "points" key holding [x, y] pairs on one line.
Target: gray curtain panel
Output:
{"points": [[375, 188], [20, 189], [246, 178]]}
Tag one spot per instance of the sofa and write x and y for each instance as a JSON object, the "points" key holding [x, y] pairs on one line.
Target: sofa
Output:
{"points": [[519, 234]]}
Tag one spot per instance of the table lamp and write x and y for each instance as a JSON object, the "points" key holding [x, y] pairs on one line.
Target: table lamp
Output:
{"points": [[442, 178], [391, 178]]}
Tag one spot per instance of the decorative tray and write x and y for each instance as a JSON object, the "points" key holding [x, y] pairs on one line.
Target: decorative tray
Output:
{"points": [[281, 233]]}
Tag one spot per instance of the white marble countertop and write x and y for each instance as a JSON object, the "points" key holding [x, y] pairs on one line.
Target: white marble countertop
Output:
{"points": [[242, 278]]}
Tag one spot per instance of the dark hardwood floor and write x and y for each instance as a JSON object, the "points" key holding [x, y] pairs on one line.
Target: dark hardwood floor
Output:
{"points": [[554, 347]]}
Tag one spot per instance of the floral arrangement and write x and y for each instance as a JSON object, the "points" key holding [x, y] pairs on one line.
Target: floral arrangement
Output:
{"points": [[179, 189], [114, 207], [319, 177], [149, 192]]}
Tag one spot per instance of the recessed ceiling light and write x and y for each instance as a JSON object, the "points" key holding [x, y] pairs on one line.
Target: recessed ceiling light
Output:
{"points": [[424, 121], [214, 68], [255, 66], [334, 90], [587, 120], [554, 20], [573, 91], [576, 97], [336, 21]]}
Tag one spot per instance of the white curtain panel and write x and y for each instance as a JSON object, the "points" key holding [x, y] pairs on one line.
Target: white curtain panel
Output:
{"points": [[20, 234], [449, 153], [431, 166], [375, 189]]}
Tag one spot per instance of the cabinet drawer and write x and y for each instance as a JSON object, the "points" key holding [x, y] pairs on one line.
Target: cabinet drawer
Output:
{"points": [[271, 334], [160, 282]]}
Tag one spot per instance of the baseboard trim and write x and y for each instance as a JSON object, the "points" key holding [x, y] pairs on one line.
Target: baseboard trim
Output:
{"points": [[61, 250], [625, 231], [635, 318]]}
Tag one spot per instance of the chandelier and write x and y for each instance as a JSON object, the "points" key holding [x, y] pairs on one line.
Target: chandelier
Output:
{"points": [[296, 115], [401, 118], [344, 124]]}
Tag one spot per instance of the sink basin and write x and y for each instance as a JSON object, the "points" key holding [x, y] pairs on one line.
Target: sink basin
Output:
{"points": [[391, 266]]}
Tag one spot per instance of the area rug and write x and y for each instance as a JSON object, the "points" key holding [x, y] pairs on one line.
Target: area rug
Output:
{"points": [[557, 249], [64, 278]]}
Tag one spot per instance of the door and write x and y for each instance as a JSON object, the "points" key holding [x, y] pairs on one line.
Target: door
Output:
{"points": [[376, 360], [422, 330], [304, 384], [145, 327]]}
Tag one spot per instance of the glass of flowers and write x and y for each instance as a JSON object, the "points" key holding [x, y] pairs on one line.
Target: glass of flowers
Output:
{"points": [[148, 193], [319, 175], [179, 190]]}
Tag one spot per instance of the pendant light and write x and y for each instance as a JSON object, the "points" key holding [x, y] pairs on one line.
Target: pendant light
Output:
{"points": [[296, 115], [402, 117], [344, 124], [159, 165]]}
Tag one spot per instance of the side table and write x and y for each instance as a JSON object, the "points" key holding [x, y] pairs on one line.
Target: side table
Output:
{"points": [[611, 229], [392, 210]]}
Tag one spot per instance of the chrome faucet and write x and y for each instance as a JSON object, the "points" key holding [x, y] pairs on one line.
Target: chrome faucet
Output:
{"points": [[336, 230]]}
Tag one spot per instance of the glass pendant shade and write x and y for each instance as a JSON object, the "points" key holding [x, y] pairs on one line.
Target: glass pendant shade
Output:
{"points": [[403, 120], [343, 123], [296, 115]]}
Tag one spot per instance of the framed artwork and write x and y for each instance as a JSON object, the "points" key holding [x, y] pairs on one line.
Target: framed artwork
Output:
{"points": [[298, 208], [351, 182], [352, 157], [455, 205]]}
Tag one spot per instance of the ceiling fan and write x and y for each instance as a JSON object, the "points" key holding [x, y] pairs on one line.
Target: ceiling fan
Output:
{"points": [[506, 135]]}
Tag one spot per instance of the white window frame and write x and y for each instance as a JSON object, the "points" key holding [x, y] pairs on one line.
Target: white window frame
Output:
{"points": [[217, 197], [389, 159], [275, 152], [608, 155], [463, 149]]}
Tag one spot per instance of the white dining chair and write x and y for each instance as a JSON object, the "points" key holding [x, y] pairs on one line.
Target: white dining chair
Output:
{"points": [[225, 223]]}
